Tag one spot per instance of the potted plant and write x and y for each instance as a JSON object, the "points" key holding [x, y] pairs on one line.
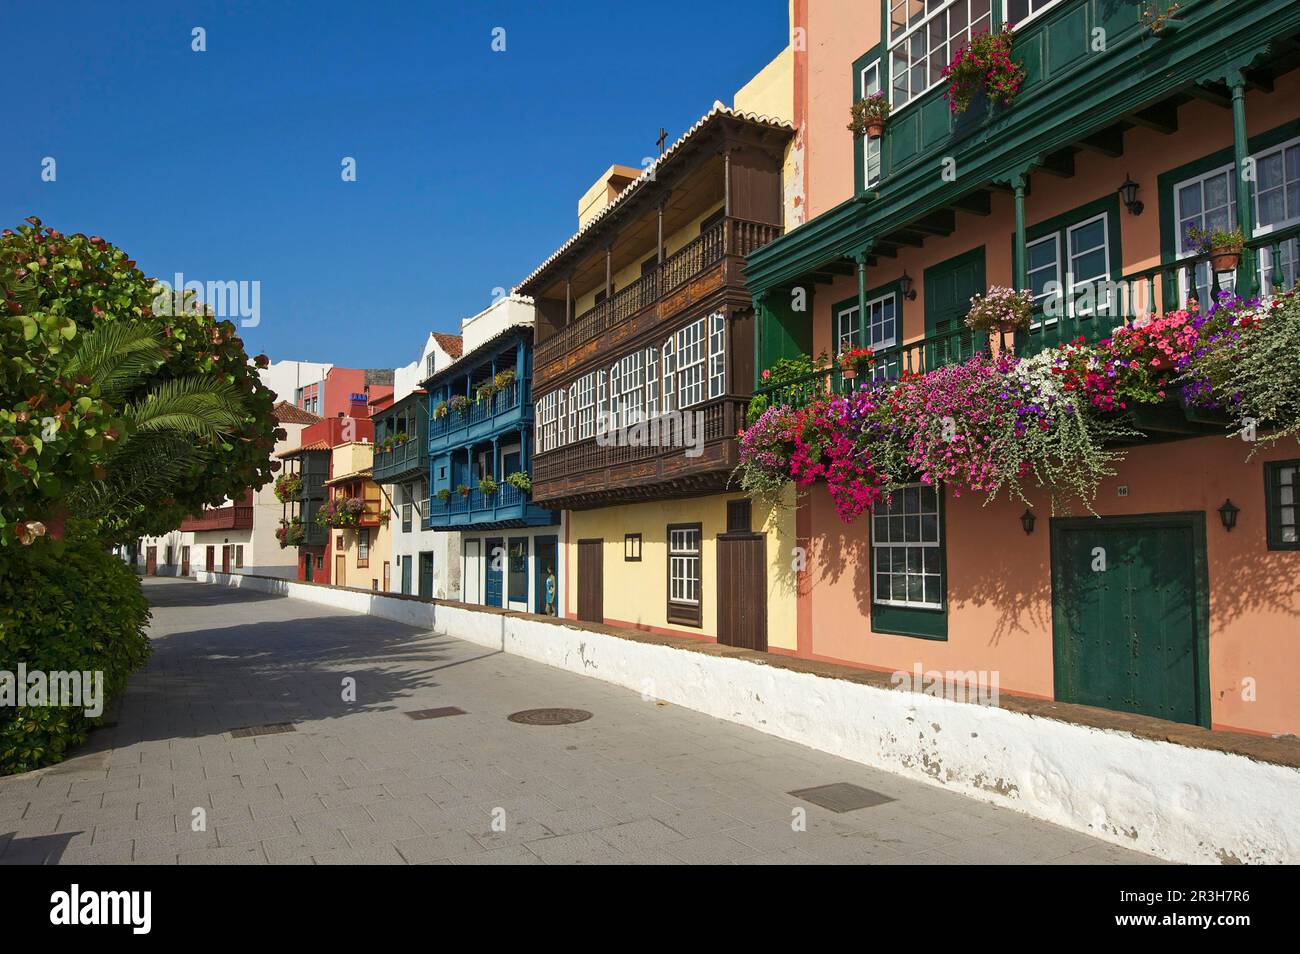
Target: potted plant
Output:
{"points": [[520, 481], [504, 379], [440, 410], [287, 487], [1161, 23], [984, 64], [485, 391], [443, 494], [856, 361], [868, 115], [463, 490], [1001, 309], [1223, 247], [460, 404], [487, 486]]}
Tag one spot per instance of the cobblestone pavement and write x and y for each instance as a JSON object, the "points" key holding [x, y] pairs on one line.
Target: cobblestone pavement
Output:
{"points": [[639, 782]]}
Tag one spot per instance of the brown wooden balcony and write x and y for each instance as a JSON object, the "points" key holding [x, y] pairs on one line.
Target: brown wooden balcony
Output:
{"points": [[710, 264], [233, 517], [586, 474]]}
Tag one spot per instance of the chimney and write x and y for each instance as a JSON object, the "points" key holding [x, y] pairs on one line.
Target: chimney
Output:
{"points": [[359, 406]]}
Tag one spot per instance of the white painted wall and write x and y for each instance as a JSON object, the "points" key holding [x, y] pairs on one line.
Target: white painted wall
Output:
{"points": [[1176, 802], [285, 377], [496, 318]]}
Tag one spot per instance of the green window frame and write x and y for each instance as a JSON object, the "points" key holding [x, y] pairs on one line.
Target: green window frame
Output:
{"points": [[882, 331], [909, 571], [1282, 504]]}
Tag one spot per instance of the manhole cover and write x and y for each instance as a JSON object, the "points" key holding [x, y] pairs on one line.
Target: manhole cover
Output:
{"points": [[275, 728], [435, 713], [841, 796], [549, 716]]}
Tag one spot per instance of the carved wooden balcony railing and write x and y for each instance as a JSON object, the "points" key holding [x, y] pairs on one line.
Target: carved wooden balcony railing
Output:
{"points": [[662, 286]]}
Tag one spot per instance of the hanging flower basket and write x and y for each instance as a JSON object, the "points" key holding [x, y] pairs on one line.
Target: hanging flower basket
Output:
{"points": [[856, 361], [487, 486], [463, 490], [287, 487], [984, 64], [1001, 309], [459, 404], [444, 494], [503, 379], [520, 481]]}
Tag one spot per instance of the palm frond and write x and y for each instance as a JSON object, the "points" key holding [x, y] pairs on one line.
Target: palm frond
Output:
{"points": [[195, 406], [116, 356]]}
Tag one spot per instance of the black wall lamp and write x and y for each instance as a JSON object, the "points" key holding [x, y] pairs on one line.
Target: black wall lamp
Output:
{"points": [[1027, 520], [905, 286], [1128, 193], [1228, 514]]}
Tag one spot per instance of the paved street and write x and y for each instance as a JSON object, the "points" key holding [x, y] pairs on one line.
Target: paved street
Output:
{"points": [[639, 782]]}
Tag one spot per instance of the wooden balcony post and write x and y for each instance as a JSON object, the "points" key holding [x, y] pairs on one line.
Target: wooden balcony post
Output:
{"points": [[568, 300], [860, 257], [609, 271], [1246, 274], [1018, 182]]}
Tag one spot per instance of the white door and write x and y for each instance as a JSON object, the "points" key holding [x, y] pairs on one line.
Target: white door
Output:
{"points": [[473, 577]]}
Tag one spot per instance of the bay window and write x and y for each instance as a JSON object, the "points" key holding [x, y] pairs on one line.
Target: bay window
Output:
{"points": [[923, 37]]}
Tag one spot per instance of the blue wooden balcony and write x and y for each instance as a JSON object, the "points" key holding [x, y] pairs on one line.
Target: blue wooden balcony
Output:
{"points": [[508, 507], [502, 412]]}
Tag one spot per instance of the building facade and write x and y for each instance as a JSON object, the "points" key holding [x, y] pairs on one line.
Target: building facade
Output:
{"points": [[480, 432], [425, 562], [1120, 138], [644, 367]]}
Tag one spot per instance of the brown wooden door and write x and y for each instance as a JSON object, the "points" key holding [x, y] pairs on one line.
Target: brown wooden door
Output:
{"points": [[185, 561], [742, 591], [151, 561], [212, 559], [340, 566], [591, 581], [225, 559]]}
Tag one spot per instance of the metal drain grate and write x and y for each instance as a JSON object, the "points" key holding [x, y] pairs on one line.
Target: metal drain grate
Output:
{"points": [[549, 716], [841, 797], [435, 713], [274, 728]]}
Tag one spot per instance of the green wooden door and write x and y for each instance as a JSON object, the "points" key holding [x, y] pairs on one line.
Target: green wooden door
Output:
{"points": [[949, 287], [1129, 615]]}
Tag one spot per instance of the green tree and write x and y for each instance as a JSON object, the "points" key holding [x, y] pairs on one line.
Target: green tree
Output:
{"points": [[59, 430]]}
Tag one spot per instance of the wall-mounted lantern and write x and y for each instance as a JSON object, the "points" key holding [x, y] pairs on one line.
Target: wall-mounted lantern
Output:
{"points": [[1228, 514], [905, 286], [1027, 520], [1128, 194]]}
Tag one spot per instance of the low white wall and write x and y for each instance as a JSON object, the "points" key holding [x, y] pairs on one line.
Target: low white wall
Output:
{"points": [[1173, 801]]}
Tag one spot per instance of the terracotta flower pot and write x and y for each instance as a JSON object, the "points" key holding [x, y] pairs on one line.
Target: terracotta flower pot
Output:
{"points": [[1007, 326], [1225, 260], [850, 372], [875, 129]]}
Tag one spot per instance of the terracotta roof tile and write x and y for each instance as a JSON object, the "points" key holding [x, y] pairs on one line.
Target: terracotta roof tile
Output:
{"points": [[452, 344], [287, 413], [313, 446]]}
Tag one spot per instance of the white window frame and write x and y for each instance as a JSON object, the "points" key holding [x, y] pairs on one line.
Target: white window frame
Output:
{"points": [[1033, 14], [717, 355], [847, 339], [921, 28], [868, 83], [651, 383], [879, 514], [684, 566], [1067, 250], [691, 367], [670, 376], [1055, 239]]}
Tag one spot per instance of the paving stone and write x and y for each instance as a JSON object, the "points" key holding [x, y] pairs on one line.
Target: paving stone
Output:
{"points": [[639, 783]]}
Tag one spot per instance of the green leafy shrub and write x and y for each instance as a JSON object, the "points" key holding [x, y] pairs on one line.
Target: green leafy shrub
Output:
{"points": [[66, 605]]}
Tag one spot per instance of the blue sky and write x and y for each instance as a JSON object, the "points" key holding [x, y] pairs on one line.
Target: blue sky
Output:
{"points": [[225, 165]]}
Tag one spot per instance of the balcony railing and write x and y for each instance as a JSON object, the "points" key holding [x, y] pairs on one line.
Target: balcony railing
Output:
{"points": [[719, 418], [234, 517], [401, 458], [510, 399], [507, 503], [736, 237]]}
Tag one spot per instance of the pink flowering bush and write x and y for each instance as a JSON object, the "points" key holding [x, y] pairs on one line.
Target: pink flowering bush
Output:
{"points": [[984, 63]]}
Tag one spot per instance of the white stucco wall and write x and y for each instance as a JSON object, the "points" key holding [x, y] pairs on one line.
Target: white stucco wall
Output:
{"points": [[1180, 803]]}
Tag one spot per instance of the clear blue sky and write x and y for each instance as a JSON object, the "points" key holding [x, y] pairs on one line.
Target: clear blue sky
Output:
{"points": [[226, 164]]}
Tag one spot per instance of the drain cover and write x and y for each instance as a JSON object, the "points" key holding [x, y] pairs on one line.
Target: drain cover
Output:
{"points": [[435, 713], [841, 796], [274, 728], [549, 716]]}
